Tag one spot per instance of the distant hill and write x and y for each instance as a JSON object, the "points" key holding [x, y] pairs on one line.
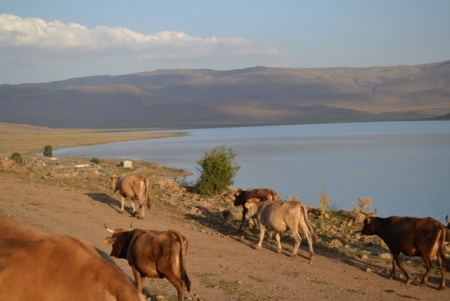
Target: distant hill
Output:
{"points": [[184, 98]]}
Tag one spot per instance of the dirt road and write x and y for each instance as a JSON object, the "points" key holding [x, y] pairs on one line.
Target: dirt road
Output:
{"points": [[222, 266]]}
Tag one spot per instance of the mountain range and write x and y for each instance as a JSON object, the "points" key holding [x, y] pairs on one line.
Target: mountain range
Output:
{"points": [[189, 98]]}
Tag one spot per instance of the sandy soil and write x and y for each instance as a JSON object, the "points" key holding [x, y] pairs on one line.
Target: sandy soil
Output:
{"points": [[221, 266]]}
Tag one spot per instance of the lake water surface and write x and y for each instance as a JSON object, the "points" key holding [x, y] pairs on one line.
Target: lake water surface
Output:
{"points": [[403, 166]]}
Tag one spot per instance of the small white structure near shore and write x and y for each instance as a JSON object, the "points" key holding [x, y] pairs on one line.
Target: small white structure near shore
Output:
{"points": [[126, 163]]}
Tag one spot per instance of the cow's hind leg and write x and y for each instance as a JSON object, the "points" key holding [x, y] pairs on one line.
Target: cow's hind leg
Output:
{"points": [[133, 208], [428, 270], [309, 238], [179, 285], [442, 265], [298, 240]]}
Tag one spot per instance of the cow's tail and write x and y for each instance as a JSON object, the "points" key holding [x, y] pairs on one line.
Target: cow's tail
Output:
{"points": [[442, 246], [183, 253], [146, 196], [311, 229]]}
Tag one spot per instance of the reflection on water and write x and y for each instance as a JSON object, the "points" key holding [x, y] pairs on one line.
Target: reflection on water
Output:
{"points": [[403, 166]]}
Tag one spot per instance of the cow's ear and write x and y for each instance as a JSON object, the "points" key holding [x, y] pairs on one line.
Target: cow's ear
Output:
{"points": [[248, 205], [108, 240]]}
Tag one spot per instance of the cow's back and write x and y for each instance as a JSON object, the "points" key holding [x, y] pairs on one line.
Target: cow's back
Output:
{"points": [[263, 194], [269, 213], [279, 214], [152, 245], [127, 185], [426, 232]]}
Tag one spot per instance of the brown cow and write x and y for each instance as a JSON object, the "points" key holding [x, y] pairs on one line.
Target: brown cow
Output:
{"points": [[132, 186], [154, 254], [279, 216], [262, 194], [411, 236], [36, 265]]}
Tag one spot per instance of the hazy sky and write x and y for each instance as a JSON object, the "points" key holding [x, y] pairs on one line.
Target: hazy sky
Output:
{"points": [[43, 41]]}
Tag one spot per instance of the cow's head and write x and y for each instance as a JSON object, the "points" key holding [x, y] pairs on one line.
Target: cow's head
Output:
{"points": [[112, 182], [118, 240], [448, 222], [370, 226], [252, 206], [239, 196]]}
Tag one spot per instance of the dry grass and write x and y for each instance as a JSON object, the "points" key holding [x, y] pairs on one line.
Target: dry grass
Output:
{"points": [[27, 139]]}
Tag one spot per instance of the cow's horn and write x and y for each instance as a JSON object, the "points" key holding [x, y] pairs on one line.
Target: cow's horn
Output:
{"points": [[131, 225], [109, 230], [447, 219]]}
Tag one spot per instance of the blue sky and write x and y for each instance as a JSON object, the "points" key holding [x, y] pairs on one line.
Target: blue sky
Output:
{"points": [[43, 41]]}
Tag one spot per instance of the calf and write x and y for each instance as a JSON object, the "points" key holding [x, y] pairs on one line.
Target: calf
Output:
{"points": [[153, 254], [411, 236], [261, 194], [279, 216], [36, 265], [131, 186]]}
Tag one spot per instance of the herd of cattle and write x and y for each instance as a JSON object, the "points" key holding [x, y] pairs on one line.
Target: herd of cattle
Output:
{"points": [[76, 265]]}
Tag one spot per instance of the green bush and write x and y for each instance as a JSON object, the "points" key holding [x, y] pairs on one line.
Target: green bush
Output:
{"points": [[16, 157], [48, 151], [95, 160], [217, 171]]}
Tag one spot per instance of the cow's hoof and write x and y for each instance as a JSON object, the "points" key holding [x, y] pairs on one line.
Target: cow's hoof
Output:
{"points": [[257, 247], [279, 250], [120, 212], [441, 287], [293, 255], [408, 281]]}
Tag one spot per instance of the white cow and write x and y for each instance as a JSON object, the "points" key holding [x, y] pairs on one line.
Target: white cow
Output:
{"points": [[279, 216], [132, 186]]}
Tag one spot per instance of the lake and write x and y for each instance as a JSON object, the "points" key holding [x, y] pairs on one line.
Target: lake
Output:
{"points": [[403, 166]]}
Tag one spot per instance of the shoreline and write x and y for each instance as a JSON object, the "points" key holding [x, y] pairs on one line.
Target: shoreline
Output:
{"points": [[31, 140]]}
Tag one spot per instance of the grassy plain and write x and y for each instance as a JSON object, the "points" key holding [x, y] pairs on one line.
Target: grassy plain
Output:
{"points": [[28, 139]]}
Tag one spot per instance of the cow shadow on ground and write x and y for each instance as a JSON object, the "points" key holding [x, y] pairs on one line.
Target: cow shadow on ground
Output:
{"points": [[382, 267], [110, 201]]}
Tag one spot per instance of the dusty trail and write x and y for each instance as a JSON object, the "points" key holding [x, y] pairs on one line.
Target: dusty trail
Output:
{"points": [[221, 267]]}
